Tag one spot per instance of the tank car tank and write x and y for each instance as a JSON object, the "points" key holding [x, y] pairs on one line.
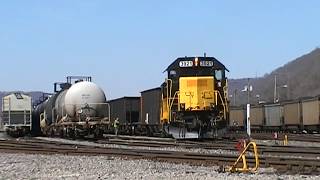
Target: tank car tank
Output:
{"points": [[84, 98]]}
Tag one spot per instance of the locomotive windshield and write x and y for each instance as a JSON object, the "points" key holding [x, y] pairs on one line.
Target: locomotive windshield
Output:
{"points": [[198, 71]]}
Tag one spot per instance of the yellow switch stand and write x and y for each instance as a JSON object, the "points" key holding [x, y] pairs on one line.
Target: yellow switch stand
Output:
{"points": [[242, 156]]}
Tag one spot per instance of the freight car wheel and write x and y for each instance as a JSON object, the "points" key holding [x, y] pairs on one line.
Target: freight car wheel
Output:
{"points": [[97, 132], [70, 133], [62, 133], [76, 133]]}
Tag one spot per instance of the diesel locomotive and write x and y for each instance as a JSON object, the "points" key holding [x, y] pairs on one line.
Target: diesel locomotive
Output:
{"points": [[194, 100]]}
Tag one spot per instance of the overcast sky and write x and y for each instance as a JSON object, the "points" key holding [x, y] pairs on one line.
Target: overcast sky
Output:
{"points": [[126, 45]]}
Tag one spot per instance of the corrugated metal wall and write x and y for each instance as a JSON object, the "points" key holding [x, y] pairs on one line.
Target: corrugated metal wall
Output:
{"points": [[150, 104]]}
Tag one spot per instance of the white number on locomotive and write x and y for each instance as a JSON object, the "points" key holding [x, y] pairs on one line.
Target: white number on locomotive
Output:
{"points": [[206, 63], [186, 63]]}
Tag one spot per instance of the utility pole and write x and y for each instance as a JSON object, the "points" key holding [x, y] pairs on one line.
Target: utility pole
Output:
{"points": [[275, 89], [276, 95], [249, 88], [235, 97]]}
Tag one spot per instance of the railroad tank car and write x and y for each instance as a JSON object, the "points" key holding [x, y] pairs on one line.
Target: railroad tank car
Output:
{"points": [[292, 115], [83, 98], [76, 109], [311, 114], [194, 101], [17, 113]]}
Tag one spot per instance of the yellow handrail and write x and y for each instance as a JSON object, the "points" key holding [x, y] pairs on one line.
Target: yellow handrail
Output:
{"points": [[223, 104]]}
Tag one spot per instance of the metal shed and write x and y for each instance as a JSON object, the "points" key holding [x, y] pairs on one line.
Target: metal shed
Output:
{"points": [[127, 109], [150, 106]]}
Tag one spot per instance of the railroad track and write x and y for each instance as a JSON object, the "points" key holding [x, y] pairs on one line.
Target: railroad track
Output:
{"points": [[315, 138], [282, 164], [275, 150]]}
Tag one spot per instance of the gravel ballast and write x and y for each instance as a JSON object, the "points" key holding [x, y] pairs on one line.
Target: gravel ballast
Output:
{"points": [[27, 166]]}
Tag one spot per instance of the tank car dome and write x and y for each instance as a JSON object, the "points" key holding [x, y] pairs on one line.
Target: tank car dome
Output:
{"points": [[83, 94]]}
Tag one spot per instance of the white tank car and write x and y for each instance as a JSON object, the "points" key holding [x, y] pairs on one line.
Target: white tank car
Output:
{"points": [[60, 105], [84, 99]]}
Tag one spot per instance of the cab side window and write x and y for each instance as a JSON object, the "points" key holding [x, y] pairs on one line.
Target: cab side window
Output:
{"points": [[218, 75]]}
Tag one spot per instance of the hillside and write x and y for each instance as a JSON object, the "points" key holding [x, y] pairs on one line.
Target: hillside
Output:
{"points": [[298, 78]]}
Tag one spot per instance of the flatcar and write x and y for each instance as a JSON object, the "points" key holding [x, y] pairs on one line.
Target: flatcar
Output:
{"points": [[194, 100]]}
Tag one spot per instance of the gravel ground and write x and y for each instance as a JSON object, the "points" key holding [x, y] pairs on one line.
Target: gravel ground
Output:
{"points": [[21, 166]]}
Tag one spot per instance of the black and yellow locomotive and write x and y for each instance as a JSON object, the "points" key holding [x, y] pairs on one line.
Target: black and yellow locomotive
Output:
{"points": [[194, 98]]}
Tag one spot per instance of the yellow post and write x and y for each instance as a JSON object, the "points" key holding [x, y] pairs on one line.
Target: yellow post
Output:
{"points": [[285, 141], [244, 160]]}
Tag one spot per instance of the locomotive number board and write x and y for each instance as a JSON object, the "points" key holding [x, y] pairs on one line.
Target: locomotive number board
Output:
{"points": [[206, 63], [191, 64], [186, 63]]}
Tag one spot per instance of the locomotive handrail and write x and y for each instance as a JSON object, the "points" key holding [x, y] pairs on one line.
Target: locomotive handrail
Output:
{"points": [[223, 104], [169, 96], [172, 101], [225, 89]]}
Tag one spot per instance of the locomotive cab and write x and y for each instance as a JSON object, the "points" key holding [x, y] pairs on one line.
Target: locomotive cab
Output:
{"points": [[194, 96]]}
